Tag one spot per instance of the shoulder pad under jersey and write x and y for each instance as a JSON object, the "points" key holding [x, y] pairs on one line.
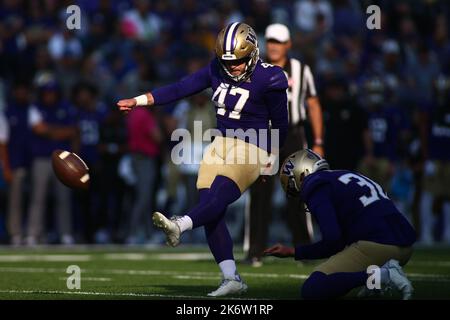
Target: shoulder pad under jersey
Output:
{"points": [[277, 79], [311, 184]]}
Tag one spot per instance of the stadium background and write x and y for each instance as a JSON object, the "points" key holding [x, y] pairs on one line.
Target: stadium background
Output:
{"points": [[124, 48], [117, 53]]}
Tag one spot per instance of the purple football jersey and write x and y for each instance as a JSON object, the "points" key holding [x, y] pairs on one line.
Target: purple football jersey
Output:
{"points": [[260, 102], [349, 207]]}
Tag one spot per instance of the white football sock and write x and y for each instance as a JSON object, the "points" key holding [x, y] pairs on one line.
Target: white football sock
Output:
{"points": [[228, 268], [185, 223]]}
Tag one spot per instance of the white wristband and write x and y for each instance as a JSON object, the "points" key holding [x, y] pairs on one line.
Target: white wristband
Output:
{"points": [[141, 100]]}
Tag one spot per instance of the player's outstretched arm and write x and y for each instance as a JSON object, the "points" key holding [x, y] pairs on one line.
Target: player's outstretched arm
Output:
{"points": [[142, 100], [186, 87]]}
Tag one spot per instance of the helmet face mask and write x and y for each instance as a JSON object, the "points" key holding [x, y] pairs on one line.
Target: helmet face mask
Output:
{"points": [[235, 62], [237, 42], [297, 167]]}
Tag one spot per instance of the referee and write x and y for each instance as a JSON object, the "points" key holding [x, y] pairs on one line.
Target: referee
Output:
{"points": [[301, 92]]}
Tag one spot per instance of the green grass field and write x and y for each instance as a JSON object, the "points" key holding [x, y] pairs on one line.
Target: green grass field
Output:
{"points": [[180, 273]]}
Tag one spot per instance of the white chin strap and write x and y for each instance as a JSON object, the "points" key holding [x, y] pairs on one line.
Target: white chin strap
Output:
{"points": [[239, 77], [235, 78]]}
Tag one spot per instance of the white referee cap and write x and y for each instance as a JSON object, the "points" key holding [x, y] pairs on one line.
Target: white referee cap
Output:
{"points": [[278, 32]]}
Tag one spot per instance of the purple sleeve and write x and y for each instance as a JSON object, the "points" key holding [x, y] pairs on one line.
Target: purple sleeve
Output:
{"points": [[322, 209], [277, 102], [186, 87]]}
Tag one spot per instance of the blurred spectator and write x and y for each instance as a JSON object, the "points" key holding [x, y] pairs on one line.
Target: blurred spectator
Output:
{"points": [[387, 133], [261, 16], [347, 18], [12, 25], [409, 39], [144, 138], [143, 76], [43, 62], [392, 71], [68, 72], [307, 13], [16, 155], [196, 111], [346, 125], [140, 22], [112, 146], [103, 23], [5, 172], [127, 45], [173, 118], [436, 143], [402, 188], [303, 107], [4, 158], [90, 115], [328, 62], [65, 44], [52, 124], [95, 64], [230, 12], [424, 72], [441, 44]]}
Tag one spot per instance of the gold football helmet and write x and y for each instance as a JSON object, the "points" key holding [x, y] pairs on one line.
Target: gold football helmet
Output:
{"points": [[297, 166], [237, 41]]}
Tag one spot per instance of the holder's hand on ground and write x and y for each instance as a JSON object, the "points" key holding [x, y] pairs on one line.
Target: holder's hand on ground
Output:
{"points": [[280, 251]]}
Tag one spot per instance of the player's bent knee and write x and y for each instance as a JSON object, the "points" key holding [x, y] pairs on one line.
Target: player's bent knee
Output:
{"points": [[314, 288]]}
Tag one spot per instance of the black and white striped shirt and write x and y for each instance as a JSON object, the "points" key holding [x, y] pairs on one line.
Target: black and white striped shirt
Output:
{"points": [[301, 87]]}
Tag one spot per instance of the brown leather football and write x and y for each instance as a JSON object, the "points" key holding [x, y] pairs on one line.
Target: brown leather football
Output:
{"points": [[70, 169]]}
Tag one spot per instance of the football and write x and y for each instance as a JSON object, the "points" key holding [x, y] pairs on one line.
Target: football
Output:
{"points": [[70, 169]]}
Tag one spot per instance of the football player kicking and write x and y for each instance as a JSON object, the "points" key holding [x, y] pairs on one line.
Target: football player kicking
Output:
{"points": [[360, 227], [248, 95]]}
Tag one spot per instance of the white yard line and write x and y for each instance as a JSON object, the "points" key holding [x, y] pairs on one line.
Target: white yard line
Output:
{"points": [[429, 277], [90, 279], [203, 275], [156, 256], [180, 275], [429, 263], [45, 257], [187, 277], [198, 273], [125, 256], [115, 294], [139, 256], [106, 256], [31, 270], [183, 256]]}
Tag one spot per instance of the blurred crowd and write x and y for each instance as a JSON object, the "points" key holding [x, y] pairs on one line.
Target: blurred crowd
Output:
{"points": [[385, 95]]}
